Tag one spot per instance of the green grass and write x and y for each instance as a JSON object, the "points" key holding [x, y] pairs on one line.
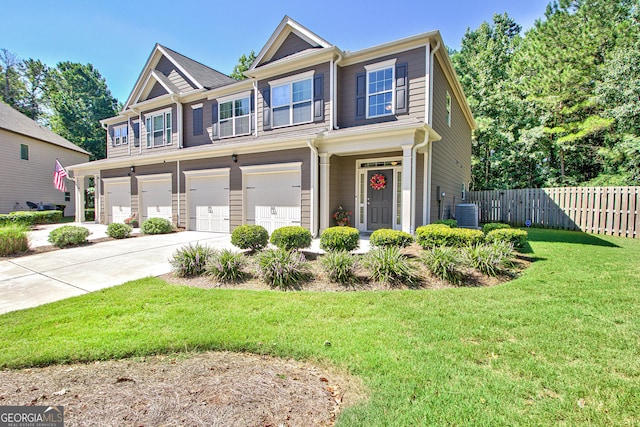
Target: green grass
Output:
{"points": [[558, 346]]}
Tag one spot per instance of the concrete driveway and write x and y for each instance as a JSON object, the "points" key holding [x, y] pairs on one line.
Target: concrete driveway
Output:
{"points": [[33, 280]]}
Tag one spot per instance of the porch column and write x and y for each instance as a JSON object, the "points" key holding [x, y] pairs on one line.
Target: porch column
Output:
{"points": [[79, 198], [325, 212], [407, 226]]}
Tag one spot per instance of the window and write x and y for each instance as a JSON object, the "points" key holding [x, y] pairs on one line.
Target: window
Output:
{"points": [[235, 117], [24, 152], [448, 109], [120, 135], [197, 119], [67, 196], [292, 101], [380, 88], [159, 130], [136, 134]]}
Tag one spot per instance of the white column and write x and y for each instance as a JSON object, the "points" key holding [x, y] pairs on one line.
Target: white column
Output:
{"points": [[325, 212], [407, 226], [79, 196]]}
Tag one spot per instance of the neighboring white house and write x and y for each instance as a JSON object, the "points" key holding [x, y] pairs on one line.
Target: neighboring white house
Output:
{"points": [[28, 153]]}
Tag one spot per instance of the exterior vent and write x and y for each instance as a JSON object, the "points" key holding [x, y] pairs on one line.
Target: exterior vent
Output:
{"points": [[467, 215]]}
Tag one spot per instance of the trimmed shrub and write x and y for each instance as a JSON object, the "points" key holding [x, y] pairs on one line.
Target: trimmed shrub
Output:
{"points": [[490, 226], [156, 226], [449, 222], [30, 218], [281, 268], [225, 266], [340, 266], [514, 236], [444, 262], [190, 260], [68, 235], [253, 237], [90, 214], [13, 239], [388, 265], [118, 230], [490, 259], [388, 237], [429, 236], [291, 237], [340, 239]]}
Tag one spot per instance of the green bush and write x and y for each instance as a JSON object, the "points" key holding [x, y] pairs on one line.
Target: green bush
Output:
{"points": [[340, 266], [89, 214], [13, 239], [387, 237], [156, 226], [490, 259], [118, 230], [30, 218], [190, 260], [490, 226], [449, 222], [429, 236], [225, 266], [291, 237], [68, 235], [281, 268], [253, 237], [388, 265], [445, 262], [340, 239], [514, 236]]}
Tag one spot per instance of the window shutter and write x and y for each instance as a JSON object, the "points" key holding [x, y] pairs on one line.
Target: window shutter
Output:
{"points": [[266, 109], [214, 121], [112, 136], [318, 98], [197, 121], [252, 116], [402, 89], [361, 95]]}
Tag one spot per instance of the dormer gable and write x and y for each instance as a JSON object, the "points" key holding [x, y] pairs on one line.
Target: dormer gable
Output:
{"points": [[289, 38]]}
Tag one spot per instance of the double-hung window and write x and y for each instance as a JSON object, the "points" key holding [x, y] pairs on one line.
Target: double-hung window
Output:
{"points": [[235, 117], [292, 100], [448, 106], [120, 135], [158, 129], [380, 88], [24, 152]]}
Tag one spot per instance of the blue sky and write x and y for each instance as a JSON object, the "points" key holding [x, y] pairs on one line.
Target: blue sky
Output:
{"points": [[118, 36]]}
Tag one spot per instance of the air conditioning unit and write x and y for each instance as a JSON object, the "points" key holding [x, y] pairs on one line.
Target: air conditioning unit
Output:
{"points": [[467, 215]]}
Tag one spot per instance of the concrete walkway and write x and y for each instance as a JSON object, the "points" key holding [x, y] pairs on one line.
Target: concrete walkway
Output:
{"points": [[33, 280]]}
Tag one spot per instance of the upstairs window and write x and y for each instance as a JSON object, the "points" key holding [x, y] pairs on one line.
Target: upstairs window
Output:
{"points": [[291, 100], [120, 135], [136, 133], [24, 152], [449, 110], [235, 117], [159, 129], [380, 88]]}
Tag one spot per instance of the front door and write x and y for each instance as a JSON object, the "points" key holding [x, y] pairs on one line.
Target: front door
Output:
{"points": [[380, 200]]}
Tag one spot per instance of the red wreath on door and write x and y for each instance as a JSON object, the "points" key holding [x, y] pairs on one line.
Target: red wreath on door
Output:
{"points": [[378, 181]]}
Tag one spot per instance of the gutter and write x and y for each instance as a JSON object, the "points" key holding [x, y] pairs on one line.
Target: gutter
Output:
{"points": [[428, 118]]}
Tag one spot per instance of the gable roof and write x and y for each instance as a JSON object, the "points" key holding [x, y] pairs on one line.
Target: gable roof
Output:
{"points": [[198, 75], [14, 121]]}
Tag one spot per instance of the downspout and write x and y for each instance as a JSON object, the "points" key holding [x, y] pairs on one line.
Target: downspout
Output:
{"points": [[428, 118], [314, 186], [334, 92], [255, 107]]}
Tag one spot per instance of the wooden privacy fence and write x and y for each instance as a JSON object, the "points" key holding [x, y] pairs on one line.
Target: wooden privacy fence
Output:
{"points": [[600, 210]]}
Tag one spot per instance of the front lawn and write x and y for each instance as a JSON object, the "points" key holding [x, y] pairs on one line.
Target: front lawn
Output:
{"points": [[559, 345]]}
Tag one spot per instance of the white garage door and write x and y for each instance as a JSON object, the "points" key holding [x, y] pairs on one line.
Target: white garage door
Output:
{"points": [[273, 199], [117, 200], [155, 197], [208, 202]]}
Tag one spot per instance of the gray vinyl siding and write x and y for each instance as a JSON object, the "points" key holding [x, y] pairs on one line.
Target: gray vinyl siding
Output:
{"points": [[156, 91], [415, 59], [118, 150], [292, 44], [319, 69], [191, 140], [451, 163], [176, 76]]}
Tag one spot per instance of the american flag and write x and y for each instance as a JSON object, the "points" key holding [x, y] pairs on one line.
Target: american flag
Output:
{"points": [[58, 177]]}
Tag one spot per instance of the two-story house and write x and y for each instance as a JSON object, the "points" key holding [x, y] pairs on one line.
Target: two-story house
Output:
{"points": [[384, 132]]}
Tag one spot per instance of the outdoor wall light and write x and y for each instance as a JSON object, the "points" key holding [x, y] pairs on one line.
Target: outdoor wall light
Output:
{"points": [[132, 169], [234, 157]]}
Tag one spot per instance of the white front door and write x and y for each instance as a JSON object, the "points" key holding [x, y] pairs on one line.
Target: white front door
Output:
{"points": [[117, 200], [273, 199], [209, 203], [155, 198]]}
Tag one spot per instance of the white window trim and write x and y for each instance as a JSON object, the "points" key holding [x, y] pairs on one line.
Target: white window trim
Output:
{"points": [[155, 177], [448, 108], [233, 99], [117, 140], [361, 223], [391, 63], [148, 131], [196, 106], [277, 167], [289, 81], [203, 173]]}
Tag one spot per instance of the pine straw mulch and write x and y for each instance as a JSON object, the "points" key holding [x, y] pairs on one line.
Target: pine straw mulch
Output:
{"points": [[205, 389]]}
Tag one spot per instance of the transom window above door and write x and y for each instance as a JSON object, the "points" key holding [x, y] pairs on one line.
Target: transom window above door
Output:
{"points": [[291, 100]]}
